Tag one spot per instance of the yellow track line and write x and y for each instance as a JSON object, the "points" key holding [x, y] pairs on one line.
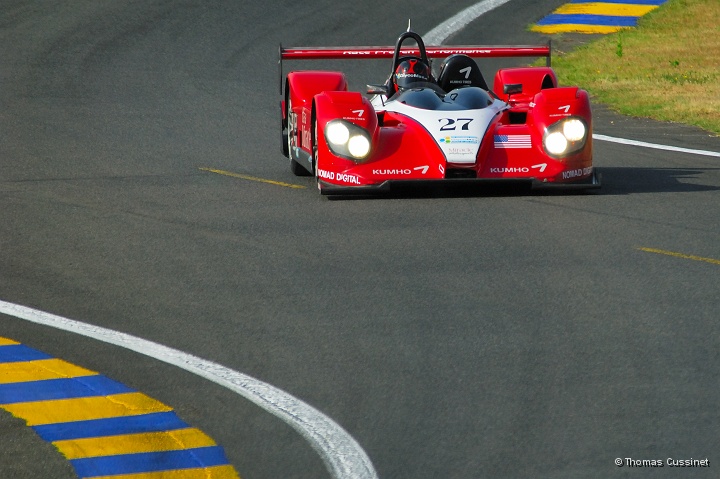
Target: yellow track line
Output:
{"points": [[252, 178], [681, 255]]}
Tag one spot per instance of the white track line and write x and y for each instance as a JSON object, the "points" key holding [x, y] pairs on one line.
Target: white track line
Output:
{"points": [[457, 22], [343, 456], [644, 144]]}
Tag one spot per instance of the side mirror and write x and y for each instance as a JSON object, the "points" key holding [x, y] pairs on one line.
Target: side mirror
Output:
{"points": [[377, 90], [512, 88]]}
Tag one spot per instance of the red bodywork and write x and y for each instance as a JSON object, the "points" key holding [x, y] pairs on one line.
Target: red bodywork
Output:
{"points": [[404, 148]]}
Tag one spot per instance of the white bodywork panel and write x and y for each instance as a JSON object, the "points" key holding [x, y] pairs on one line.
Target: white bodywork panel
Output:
{"points": [[458, 133]]}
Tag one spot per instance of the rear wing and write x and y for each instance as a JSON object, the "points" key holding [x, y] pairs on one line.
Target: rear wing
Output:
{"points": [[346, 53]]}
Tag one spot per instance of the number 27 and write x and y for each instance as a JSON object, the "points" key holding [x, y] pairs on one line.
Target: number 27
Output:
{"points": [[450, 123]]}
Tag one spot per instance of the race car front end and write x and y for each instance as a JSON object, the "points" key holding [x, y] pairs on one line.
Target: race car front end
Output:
{"points": [[545, 136], [358, 150]]}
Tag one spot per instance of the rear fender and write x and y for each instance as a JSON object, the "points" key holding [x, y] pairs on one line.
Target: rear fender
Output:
{"points": [[532, 79], [302, 86], [300, 89]]}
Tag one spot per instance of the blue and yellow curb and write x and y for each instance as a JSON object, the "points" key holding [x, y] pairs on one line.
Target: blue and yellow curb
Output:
{"points": [[595, 17], [102, 427]]}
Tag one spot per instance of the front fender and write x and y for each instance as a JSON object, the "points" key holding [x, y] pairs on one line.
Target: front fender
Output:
{"points": [[345, 105], [353, 108]]}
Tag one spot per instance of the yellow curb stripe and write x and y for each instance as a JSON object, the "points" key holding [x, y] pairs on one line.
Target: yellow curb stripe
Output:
{"points": [[216, 472], [189, 438], [7, 342], [40, 370], [680, 255], [600, 8], [570, 28], [252, 178], [81, 409]]}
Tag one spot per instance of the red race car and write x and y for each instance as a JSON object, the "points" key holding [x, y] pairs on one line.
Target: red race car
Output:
{"points": [[418, 128]]}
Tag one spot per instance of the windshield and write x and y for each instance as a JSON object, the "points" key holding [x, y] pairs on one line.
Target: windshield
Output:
{"points": [[429, 96]]}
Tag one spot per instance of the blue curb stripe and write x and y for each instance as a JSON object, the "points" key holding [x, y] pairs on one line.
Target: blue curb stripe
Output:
{"points": [[582, 19], [149, 462], [16, 353], [115, 426], [65, 388]]}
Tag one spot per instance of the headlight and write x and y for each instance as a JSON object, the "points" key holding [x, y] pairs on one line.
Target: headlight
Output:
{"points": [[359, 146], [347, 140], [337, 133], [565, 137], [574, 129], [556, 143]]}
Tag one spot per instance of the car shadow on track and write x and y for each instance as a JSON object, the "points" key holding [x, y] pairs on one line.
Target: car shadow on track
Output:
{"points": [[440, 190], [615, 181], [634, 180]]}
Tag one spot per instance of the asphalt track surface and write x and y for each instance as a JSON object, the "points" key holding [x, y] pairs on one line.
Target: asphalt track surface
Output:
{"points": [[493, 334]]}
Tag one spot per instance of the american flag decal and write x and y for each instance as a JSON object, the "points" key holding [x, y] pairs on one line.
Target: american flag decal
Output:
{"points": [[512, 141]]}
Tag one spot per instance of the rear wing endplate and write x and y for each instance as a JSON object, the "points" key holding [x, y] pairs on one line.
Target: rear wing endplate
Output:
{"points": [[346, 53]]}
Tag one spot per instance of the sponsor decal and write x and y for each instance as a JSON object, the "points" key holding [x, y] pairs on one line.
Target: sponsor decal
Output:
{"points": [[327, 175], [466, 51], [565, 108], [460, 151], [342, 177], [400, 171], [305, 132], [519, 169], [510, 170], [459, 139], [512, 141], [410, 75], [575, 173], [392, 172]]}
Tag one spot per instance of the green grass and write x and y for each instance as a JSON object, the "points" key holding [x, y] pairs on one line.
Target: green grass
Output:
{"points": [[668, 68]]}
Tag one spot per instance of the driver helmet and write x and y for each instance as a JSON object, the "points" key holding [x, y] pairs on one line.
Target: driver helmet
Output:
{"points": [[411, 71]]}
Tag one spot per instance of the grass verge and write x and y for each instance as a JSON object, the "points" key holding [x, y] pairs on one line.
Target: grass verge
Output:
{"points": [[668, 68]]}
